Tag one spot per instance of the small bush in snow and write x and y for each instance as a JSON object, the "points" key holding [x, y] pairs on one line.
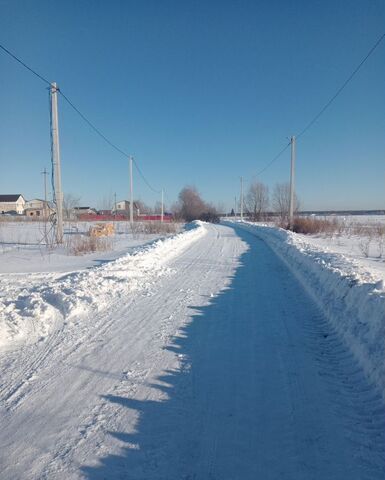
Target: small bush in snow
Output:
{"points": [[80, 245], [379, 233], [152, 227], [364, 245], [311, 225]]}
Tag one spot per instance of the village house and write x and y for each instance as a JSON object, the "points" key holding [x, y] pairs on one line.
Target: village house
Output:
{"points": [[12, 203], [123, 207], [38, 208]]}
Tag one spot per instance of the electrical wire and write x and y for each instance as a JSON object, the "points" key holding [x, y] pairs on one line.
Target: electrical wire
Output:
{"points": [[273, 160], [316, 117], [311, 123], [25, 65], [145, 180], [118, 149], [89, 123], [303, 131]]}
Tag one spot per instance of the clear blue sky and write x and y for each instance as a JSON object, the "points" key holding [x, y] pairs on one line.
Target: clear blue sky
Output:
{"points": [[200, 92]]}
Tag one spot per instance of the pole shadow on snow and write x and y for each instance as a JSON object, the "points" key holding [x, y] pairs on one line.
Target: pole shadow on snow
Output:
{"points": [[247, 402]]}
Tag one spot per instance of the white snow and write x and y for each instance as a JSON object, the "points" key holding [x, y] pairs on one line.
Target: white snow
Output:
{"points": [[22, 248], [352, 297], [200, 357], [33, 305]]}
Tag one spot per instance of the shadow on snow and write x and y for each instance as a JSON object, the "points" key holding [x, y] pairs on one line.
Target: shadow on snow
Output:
{"points": [[224, 416]]}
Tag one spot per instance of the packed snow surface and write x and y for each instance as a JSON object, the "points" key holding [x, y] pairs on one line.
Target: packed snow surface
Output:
{"points": [[30, 310], [206, 359], [352, 298]]}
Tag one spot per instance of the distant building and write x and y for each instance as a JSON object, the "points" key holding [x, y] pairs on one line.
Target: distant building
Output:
{"points": [[38, 208], [13, 203], [84, 211], [123, 207]]}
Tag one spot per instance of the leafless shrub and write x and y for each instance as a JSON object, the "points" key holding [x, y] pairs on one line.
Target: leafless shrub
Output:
{"points": [[80, 245], [364, 245], [151, 227], [281, 202], [159, 227], [379, 233], [312, 226]]}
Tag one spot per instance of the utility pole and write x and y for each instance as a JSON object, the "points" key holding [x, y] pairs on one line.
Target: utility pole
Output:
{"points": [[241, 199], [115, 207], [235, 206], [45, 173], [162, 208], [58, 197], [292, 171], [131, 194]]}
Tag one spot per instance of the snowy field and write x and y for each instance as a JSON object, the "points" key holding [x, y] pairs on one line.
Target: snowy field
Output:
{"points": [[23, 249], [361, 239], [223, 352], [358, 238]]}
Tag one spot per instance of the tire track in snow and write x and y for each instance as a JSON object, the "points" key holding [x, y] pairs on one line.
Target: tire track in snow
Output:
{"points": [[264, 370], [139, 374], [26, 362]]}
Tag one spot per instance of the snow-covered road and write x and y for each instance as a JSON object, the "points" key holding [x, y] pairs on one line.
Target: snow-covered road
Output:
{"points": [[224, 369]]}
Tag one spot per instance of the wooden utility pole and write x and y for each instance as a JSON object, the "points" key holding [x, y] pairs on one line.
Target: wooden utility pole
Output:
{"points": [[58, 197], [292, 172]]}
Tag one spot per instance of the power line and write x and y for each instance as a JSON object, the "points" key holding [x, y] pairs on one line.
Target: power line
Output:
{"points": [[311, 123], [89, 123], [144, 179], [93, 126], [25, 65], [67, 100], [118, 149], [273, 160]]}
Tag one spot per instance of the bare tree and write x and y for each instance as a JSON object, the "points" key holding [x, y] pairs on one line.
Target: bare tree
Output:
{"points": [[257, 200], [142, 207], [281, 202], [176, 209], [70, 201], [191, 204]]}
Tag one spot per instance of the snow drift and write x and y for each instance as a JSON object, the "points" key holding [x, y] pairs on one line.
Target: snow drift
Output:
{"points": [[352, 300], [28, 314]]}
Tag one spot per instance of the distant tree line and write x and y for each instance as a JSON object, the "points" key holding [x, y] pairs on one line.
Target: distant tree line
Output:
{"points": [[190, 206], [259, 204]]}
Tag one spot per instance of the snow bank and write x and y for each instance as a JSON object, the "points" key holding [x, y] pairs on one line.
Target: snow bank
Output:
{"points": [[29, 313], [351, 298]]}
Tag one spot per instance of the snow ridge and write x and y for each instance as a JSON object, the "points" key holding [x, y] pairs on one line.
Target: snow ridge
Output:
{"points": [[29, 314], [352, 300]]}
